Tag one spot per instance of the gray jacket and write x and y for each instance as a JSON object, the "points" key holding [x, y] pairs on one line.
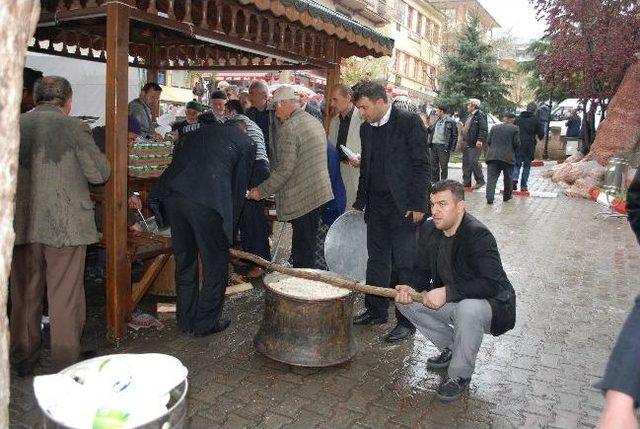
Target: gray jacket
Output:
{"points": [[502, 143], [58, 159], [142, 113], [299, 171]]}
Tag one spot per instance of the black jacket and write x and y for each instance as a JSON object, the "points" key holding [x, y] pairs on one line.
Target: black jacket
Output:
{"points": [[478, 129], [503, 143], [477, 270], [213, 168], [406, 162], [450, 134], [530, 128]]}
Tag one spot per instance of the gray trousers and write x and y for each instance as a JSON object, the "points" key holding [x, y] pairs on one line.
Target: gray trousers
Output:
{"points": [[458, 326], [439, 162], [471, 164]]}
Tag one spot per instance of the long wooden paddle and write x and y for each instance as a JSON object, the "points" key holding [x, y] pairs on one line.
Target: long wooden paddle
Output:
{"points": [[327, 277]]}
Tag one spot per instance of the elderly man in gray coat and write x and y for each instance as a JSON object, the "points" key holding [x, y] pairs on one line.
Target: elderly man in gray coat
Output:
{"points": [[299, 175], [502, 143], [344, 130], [54, 223]]}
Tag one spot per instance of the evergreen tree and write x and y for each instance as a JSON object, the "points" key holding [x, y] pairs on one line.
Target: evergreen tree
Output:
{"points": [[472, 71]]}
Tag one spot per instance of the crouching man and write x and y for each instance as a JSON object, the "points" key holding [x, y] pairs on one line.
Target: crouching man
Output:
{"points": [[466, 291]]}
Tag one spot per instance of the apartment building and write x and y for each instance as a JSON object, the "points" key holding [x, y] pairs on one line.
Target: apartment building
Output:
{"points": [[459, 12]]}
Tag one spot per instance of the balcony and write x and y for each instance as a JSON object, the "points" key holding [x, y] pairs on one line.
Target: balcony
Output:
{"points": [[374, 11]]}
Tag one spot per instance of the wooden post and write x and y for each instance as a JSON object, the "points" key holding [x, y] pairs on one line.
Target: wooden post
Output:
{"points": [[333, 78], [118, 273]]}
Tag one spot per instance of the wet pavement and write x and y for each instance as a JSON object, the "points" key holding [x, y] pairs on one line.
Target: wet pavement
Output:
{"points": [[575, 278]]}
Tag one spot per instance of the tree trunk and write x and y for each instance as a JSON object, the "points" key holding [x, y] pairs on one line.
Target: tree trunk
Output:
{"points": [[18, 19]]}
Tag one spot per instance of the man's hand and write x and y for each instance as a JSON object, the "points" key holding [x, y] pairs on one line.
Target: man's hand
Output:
{"points": [[415, 216], [435, 298], [355, 162], [135, 202], [254, 194], [618, 412], [403, 296], [478, 144]]}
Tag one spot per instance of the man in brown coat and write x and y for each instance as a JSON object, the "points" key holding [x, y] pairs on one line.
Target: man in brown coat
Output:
{"points": [[299, 175], [54, 222]]}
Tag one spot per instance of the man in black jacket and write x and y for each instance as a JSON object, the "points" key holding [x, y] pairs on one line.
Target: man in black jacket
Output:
{"points": [[530, 128], [474, 134], [463, 284], [621, 381], [392, 189], [442, 139], [502, 145], [205, 185]]}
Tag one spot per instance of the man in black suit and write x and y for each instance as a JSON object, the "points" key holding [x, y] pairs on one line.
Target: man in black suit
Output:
{"points": [[205, 188], [460, 275], [474, 134], [393, 184], [502, 144]]}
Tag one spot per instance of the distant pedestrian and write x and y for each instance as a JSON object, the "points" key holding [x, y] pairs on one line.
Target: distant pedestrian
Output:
{"points": [[443, 138], [475, 135], [502, 143], [531, 129], [573, 124]]}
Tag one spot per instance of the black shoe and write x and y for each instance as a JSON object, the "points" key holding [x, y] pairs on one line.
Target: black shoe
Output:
{"points": [[478, 185], [515, 185], [440, 361], [524, 189], [367, 318], [88, 354], [24, 370], [505, 200], [219, 326], [489, 201], [399, 333], [452, 388]]}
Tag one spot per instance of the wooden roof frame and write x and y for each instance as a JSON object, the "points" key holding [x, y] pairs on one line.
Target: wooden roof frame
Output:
{"points": [[185, 34]]}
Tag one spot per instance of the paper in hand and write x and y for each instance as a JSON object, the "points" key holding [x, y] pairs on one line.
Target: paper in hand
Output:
{"points": [[350, 154]]}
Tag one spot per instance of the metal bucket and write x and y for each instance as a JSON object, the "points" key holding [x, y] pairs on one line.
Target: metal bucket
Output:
{"points": [[310, 333], [615, 175], [174, 418]]}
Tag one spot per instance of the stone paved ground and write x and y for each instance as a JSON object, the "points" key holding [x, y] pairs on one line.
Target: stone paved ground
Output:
{"points": [[575, 278]]}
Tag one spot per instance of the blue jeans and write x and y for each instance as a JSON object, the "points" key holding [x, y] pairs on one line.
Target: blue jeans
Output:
{"points": [[525, 171]]}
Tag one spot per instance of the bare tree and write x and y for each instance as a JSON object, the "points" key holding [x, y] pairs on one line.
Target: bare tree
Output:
{"points": [[18, 20]]}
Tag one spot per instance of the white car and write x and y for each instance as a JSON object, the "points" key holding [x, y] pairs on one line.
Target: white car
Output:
{"points": [[491, 121]]}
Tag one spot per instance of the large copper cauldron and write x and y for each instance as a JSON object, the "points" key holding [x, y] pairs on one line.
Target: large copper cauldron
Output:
{"points": [[301, 332]]}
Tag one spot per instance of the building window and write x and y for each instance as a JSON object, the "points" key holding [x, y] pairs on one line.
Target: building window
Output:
{"points": [[436, 34], [407, 22], [405, 68]]}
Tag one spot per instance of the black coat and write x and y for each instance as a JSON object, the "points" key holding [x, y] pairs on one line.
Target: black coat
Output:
{"points": [[213, 168], [477, 270], [503, 142], [530, 128], [478, 129], [406, 162], [450, 134]]}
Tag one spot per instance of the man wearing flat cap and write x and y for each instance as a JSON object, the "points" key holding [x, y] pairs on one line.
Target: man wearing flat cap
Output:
{"points": [[299, 175], [474, 134], [218, 100]]}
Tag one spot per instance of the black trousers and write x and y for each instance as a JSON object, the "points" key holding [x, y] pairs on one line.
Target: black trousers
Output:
{"points": [[254, 228], [303, 242], [197, 230], [391, 243], [439, 162], [494, 168]]}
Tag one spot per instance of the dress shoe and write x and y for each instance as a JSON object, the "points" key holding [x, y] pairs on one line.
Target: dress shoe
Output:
{"points": [[478, 185], [452, 388], [24, 370], [489, 201], [515, 185], [399, 333], [506, 200], [253, 273], [440, 361], [524, 189], [219, 326], [367, 318]]}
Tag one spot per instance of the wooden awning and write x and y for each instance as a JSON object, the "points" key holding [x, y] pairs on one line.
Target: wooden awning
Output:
{"points": [[210, 34]]}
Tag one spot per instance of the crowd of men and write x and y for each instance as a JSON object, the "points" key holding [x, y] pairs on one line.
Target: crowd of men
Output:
{"points": [[378, 157]]}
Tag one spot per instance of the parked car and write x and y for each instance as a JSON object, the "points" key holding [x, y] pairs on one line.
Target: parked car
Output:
{"points": [[560, 114]]}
